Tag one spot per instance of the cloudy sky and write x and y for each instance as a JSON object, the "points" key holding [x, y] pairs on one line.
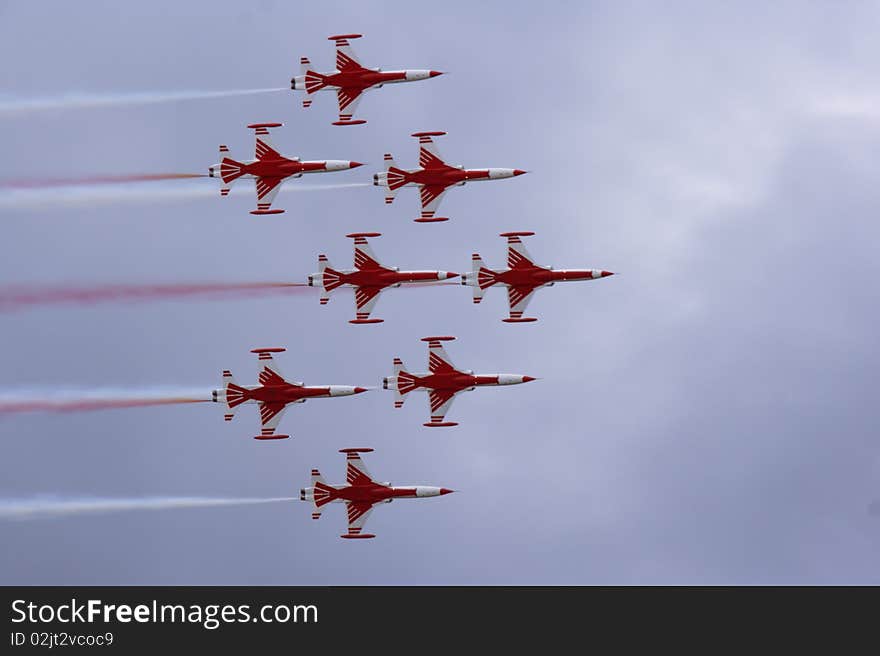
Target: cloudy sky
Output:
{"points": [[709, 415]]}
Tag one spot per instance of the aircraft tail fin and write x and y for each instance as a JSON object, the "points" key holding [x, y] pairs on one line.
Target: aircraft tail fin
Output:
{"points": [[225, 171], [406, 382], [480, 277], [235, 394], [484, 277], [230, 169], [304, 65], [401, 383], [391, 191], [396, 179], [314, 81], [401, 378], [319, 493], [322, 495], [330, 278]]}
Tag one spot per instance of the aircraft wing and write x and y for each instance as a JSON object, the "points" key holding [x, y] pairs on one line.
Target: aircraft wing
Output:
{"points": [[358, 511], [270, 416], [263, 149], [518, 298], [267, 189], [356, 472], [517, 254], [346, 59], [438, 360], [348, 98], [364, 258], [365, 300], [431, 195], [269, 372], [429, 154], [440, 402]]}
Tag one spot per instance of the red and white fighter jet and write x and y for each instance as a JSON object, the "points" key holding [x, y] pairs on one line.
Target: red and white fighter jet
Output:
{"points": [[442, 382], [270, 168], [350, 79], [273, 394], [522, 277], [434, 177], [368, 277], [360, 493]]}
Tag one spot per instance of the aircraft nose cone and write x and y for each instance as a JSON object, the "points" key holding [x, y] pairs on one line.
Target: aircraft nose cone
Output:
{"points": [[605, 274], [354, 165], [358, 390], [435, 73], [528, 379], [451, 274], [445, 490], [519, 171]]}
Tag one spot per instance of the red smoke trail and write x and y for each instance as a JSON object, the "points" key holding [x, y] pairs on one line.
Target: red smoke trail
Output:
{"points": [[96, 180], [14, 298], [18, 298], [82, 405]]}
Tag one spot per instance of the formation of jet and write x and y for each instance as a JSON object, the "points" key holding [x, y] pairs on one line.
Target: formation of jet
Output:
{"points": [[350, 79], [273, 394], [433, 177], [521, 277], [360, 493], [368, 277], [442, 382], [269, 168]]}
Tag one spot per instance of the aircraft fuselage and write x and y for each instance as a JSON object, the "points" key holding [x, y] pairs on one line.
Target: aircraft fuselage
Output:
{"points": [[384, 277], [530, 276], [457, 381]]}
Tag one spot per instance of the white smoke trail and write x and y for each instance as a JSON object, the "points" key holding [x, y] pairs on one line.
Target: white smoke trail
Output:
{"points": [[45, 507], [13, 106], [70, 196]]}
